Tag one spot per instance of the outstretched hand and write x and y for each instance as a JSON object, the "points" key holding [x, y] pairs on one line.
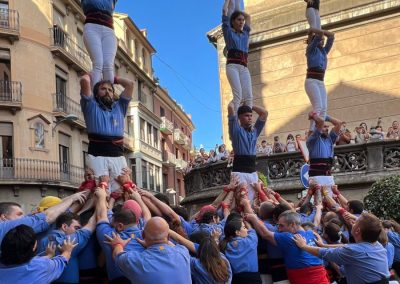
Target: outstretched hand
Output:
{"points": [[116, 240]]}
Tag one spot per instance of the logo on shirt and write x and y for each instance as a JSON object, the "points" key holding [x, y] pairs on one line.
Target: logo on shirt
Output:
{"points": [[161, 248], [133, 236]]}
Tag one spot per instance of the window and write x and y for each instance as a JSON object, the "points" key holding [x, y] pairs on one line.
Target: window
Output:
{"points": [[151, 177], [165, 181], [63, 148], [144, 174], [133, 168], [5, 75], [141, 94], [144, 57], [177, 153], [157, 177], [6, 141], [61, 93], [85, 153], [149, 134], [58, 19], [129, 125], [59, 35], [162, 112], [136, 51], [142, 129], [155, 137]]}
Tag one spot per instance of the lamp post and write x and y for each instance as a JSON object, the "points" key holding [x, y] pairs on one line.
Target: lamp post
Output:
{"points": [[69, 117]]}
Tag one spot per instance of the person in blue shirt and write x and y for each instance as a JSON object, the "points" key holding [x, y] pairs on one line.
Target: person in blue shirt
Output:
{"points": [[99, 37], [236, 31], [12, 215], [67, 226], [244, 143], [363, 262], [124, 224], [161, 262], [18, 263], [320, 146], [104, 117], [317, 58], [301, 267], [392, 229]]}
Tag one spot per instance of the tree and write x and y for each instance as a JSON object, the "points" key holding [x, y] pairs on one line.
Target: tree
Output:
{"points": [[384, 198]]}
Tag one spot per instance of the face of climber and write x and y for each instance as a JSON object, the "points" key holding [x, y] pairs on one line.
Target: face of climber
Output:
{"points": [[325, 130], [238, 23], [246, 119], [322, 41], [106, 94]]}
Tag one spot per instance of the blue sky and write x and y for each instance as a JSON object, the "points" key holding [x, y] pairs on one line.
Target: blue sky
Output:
{"points": [[185, 62]]}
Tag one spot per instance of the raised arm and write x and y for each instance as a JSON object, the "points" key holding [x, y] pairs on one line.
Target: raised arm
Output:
{"points": [[262, 113], [101, 205], [53, 212], [183, 241], [231, 110], [164, 208], [127, 85], [318, 215], [342, 200], [260, 228], [145, 210], [247, 19], [337, 124], [86, 90]]}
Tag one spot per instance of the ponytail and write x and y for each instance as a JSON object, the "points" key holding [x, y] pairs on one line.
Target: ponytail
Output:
{"points": [[210, 257]]}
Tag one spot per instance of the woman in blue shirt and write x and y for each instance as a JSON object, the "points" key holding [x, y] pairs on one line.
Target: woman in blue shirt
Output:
{"points": [[236, 30], [312, 13], [99, 37], [317, 59]]}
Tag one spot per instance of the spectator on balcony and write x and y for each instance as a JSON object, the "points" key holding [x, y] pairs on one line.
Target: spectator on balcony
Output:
{"points": [[377, 133], [278, 147], [231, 158], [361, 135], [244, 141], [394, 131], [104, 118], [223, 154], [291, 144], [265, 148], [212, 157], [344, 137], [99, 38], [202, 157]]}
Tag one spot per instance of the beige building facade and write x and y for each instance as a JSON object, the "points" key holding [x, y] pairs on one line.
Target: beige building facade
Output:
{"points": [[42, 131], [363, 73]]}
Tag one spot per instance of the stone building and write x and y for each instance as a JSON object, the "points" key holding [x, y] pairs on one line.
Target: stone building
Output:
{"points": [[42, 131], [363, 68]]}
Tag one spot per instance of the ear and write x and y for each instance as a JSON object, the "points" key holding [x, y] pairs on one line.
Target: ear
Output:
{"points": [[35, 246], [120, 227], [64, 227], [3, 217]]}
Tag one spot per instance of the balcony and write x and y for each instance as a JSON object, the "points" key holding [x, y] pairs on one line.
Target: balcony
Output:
{"points": [[11, 95], [129, 142], [169, 159], [63, 105], [179, 136], [166, 126], [181, 164], [64, 47], [188, 144], [39, 171], [9, 24], [149, 150]]}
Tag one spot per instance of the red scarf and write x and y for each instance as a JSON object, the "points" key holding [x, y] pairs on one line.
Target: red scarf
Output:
{"points": [[88, 185]]}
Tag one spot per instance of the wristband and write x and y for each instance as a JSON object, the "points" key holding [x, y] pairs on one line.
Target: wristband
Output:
{"points": [[277, 196], [243, 191], [341, 211], [116, 195], [227, 189], [262, 196], [225, 205], [128, 185]]}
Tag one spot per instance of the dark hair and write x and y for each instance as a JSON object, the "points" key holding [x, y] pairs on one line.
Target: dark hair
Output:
{"points": [[163, 198], [234, 216], [370, 227], [306, 208], [230, 232], [99, 84], [181, 211], [308, 224], [210, 257], [208, 217], [266, 210], [198, 236], [117, 208], [387, 224], [279, 209], [17, 246], [234, 16], [383, 238], [356, 206], [5, 207], [65, 218], [85, 216], [124, 216], [276, 138], [334, 233]]}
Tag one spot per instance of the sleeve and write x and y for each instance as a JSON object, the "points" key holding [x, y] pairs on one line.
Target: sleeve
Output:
{"points": [[54, 267], [226, 27], [124, 103], [233, 126], [86, 102], [246, 28], [313, 139], [186, 226], [282, 240], [82, 237], [258, 126], [340, 256], [102, 229], [329, 44], [252, 239], [311, 217], [314, 44], [37, 222], [124, 262], [333, 136], [394, 238]]}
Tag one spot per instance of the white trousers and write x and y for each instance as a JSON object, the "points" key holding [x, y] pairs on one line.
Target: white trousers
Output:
{"points": [[240, 81], [316, 92], [313, 18], [324, 181], [107, 166], [101, 44], [234, 5], [249, 179]]}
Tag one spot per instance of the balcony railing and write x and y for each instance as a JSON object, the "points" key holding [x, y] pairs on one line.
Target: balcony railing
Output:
{"points": [[188, 144], [21, 169], [9, 24], [63, 46], [65, 105], [181, 164], [166, 126], [179, 136], [10, 94], [168, 158]]}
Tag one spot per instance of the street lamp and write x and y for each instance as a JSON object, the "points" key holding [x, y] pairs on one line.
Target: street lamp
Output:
{"points": [[69, 117]]}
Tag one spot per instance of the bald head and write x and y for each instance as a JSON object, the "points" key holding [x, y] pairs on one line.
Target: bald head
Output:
{"points": [[266, 210], [156, 231]]}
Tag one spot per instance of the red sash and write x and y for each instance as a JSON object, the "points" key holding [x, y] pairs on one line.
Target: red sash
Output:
{"points": [[308, 275]]}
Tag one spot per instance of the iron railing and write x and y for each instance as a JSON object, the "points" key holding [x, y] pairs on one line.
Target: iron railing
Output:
{"points": [[10, 91], [9, 20], [21, 169], [64, 104]]}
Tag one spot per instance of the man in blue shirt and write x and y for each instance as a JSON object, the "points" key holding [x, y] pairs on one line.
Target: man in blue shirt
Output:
{"points": [[68, 226], [12, 215], [320, 146], [244, 142], [392, 229], [104, 118], [363, 262], [161, 262]]}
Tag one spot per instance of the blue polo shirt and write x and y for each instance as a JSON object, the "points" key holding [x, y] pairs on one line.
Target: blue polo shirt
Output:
{"points": [[242, 253], [201, 276], [104, 122], [295, 257], [98, 5], [394, 238], [71, 272], [38, 270], [304, 218], [274, 252], [104, 228], [362, 262], [87, 258], [37, 222], [244, 142], [160, 264], [233, 39], [390, 254], [317, 56], [208, 228], [320, 147], [187, 226]]}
